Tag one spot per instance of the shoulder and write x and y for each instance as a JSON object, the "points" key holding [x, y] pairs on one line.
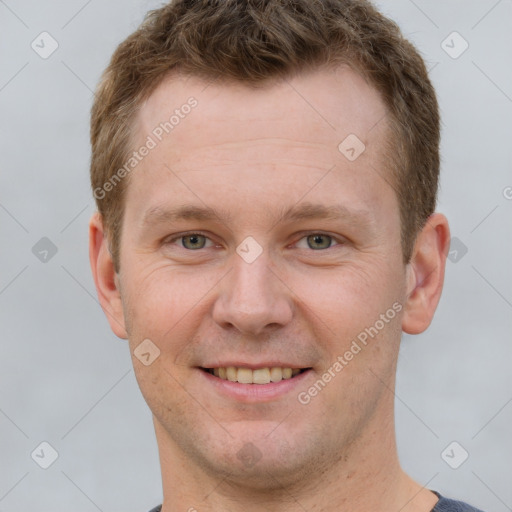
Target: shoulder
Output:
{"points": [[448, 505], [443, 505]]}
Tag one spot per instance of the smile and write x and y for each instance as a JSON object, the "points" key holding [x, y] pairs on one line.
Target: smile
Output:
{"points": [[254, 376]]}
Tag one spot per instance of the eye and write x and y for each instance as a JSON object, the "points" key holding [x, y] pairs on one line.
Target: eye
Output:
{"points": [[191, 241], [317, 241]]}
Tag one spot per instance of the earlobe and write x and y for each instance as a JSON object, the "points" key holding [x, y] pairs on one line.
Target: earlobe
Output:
{"points": [[425, 274], [105, 277]]}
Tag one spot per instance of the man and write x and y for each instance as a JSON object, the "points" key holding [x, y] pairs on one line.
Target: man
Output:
{"points": [[266, 175]]}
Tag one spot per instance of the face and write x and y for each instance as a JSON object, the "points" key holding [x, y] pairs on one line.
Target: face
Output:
{"points": [[254, 247]]}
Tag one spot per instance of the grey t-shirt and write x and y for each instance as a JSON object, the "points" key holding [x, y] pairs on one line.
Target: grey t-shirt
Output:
{"points": [[443, 505]]}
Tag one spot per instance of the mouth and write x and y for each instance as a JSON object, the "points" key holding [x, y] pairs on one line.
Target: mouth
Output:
{"points": [[260, 376]]}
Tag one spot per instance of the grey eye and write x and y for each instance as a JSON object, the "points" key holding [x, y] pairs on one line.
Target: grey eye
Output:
{"points": [[319, 241], [194, 241]]}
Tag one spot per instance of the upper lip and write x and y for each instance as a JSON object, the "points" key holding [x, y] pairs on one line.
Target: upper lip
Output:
{"points": [[255, 366]]}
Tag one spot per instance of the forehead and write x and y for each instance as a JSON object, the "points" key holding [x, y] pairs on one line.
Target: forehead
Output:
{"points": [[279, 138], [324, 106]]}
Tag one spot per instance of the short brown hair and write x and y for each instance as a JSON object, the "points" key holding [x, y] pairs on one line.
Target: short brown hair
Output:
{"points": [[253, 41]]}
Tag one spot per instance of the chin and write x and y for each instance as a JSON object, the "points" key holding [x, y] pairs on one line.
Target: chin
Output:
{"points": [[266, 462]]}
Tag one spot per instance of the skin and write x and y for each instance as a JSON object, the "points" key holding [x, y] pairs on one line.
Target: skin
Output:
{"points": [[249, 155]]}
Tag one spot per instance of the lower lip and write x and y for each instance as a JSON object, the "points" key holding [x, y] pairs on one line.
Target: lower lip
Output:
{"points": [[251, 393]]}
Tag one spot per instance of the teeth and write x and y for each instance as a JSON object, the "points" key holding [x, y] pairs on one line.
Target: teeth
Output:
{"points": [[276, 374], [231, 373], [258, 376], [244, 375]]}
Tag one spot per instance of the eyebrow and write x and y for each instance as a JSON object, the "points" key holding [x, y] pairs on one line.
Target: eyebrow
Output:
{"points": [[163, 215], [304, 211]]}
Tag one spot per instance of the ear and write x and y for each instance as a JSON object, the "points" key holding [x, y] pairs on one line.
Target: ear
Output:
{"points": [[425, 274], [105, 277]]}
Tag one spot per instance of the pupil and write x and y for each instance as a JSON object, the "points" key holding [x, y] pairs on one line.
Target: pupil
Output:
{"points": [[318, 239], [191, 241]]}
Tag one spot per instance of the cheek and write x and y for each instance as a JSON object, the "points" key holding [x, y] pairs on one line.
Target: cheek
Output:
{"points": [[162, 301], [158, 382], [345, 311], [348, 299]]}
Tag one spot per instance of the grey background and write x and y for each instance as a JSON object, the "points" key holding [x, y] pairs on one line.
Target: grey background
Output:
{"points": [[67, 380]]}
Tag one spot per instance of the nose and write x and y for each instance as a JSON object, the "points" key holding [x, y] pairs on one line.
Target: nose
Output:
{"points": [[252, 298]]}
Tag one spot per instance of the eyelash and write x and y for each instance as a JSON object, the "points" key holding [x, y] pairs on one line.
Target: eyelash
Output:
{"points": [[333, 239]]}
